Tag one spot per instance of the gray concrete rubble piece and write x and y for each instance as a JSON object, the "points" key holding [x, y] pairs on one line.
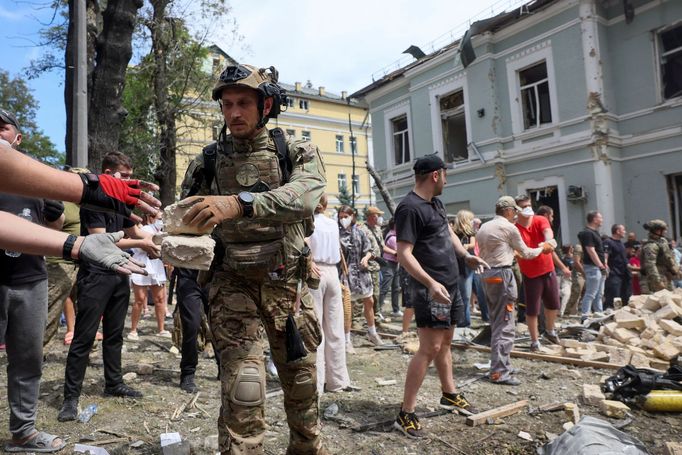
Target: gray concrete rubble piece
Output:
{"points": [[172, 221], [188, 251]]}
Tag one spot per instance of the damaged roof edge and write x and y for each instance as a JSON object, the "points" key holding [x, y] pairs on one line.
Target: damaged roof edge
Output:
{"points": [[492, 24]]}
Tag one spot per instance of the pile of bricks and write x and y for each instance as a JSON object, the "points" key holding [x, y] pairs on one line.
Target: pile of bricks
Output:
{"points": [[644, 333]]}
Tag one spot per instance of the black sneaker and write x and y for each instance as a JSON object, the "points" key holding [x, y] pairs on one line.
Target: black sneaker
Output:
{"points": [[452, 401], [69, 410], [408, 423], [122, 390], [187, 384]]}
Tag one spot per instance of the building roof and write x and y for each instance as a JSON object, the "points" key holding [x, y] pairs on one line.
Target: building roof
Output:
{"points": [[492, 24], [306, 91]]}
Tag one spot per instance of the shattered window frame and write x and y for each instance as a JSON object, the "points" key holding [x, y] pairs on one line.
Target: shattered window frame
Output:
{"points": [[535, 96], [452, 109], [669, 42], [401, 139]]}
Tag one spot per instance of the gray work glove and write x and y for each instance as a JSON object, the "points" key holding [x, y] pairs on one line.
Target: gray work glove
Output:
{"points": [[101, 249]]}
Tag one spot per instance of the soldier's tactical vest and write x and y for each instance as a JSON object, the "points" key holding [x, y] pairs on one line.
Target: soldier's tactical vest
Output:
{"points": [[251, 247]]}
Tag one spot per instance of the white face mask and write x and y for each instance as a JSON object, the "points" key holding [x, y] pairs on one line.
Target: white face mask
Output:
{"points": [[527, 211], [4, 142], [380, 221], [345, 222], [158, 224]]}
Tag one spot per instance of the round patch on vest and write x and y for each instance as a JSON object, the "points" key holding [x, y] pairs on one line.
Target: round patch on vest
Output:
{"points": [[248, 175]]}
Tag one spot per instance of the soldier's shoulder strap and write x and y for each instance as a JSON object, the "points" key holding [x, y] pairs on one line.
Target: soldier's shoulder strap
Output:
{"points": [[209, 153], [282, 152]]}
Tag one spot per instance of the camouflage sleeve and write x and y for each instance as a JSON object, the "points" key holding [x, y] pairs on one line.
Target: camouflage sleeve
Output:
{"points": [[670, 262], [374, 246], [193, 183], [296, 199], [649, 255]]}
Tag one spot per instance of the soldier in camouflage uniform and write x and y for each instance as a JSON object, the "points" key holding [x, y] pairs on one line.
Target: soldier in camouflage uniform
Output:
{"points": [[262, 216], [658, 262]]}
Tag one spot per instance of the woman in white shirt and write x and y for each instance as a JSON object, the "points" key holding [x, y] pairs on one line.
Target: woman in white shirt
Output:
{"points": [[155, 280]]}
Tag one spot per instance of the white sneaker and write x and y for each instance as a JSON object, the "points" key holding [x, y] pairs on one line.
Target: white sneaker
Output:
{"points": [[133, 336], [164, 334], [350, 349], [397, 314], [375, 339], [379, 317]]}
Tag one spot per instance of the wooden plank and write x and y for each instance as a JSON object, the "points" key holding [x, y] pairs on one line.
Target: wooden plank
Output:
{"points": [[502, 411], [546, 358]]}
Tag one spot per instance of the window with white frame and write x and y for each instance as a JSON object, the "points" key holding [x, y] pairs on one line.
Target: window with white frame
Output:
{"points": [[356, 184], [291, 133], [401, 142], [303, 104], [290, 101], [670, 42], [339, 143], [305, 135], [453, 126], [535, 99], [353, 145], [341, 181]]}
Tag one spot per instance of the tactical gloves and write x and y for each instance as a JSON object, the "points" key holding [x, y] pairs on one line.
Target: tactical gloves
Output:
{"points": [[109, 194], [208, 211], [101, 249]]}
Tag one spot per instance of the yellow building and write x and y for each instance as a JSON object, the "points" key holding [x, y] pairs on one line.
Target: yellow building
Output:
{"points": [[311, 113]]}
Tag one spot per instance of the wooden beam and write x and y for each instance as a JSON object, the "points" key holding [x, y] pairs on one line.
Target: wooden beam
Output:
{"points": [[545, 357], [502, 411]]}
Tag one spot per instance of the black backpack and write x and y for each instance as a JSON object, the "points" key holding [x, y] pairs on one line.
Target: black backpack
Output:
{"points": [[630, 382]]}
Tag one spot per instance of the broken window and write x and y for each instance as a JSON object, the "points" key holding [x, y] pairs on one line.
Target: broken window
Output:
{"points": [[401, 143], [341, 181], [535, 102], [305, 135], [339, 143], [671, 62], [453, 123]]}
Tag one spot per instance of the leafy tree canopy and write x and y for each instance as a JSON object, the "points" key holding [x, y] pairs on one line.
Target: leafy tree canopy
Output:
{"points": [[16, 97]]}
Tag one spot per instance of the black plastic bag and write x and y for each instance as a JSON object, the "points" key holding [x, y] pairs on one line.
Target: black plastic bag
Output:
{"points": [[295, 347]]}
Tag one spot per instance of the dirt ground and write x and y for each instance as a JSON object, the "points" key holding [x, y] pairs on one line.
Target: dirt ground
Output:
{"points": [[145, 419]]}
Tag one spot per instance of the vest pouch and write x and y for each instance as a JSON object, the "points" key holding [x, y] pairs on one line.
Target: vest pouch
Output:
{"points": [[254, 260]]}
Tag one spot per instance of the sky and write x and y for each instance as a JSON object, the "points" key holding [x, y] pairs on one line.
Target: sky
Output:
{"points": [[338, 45]]}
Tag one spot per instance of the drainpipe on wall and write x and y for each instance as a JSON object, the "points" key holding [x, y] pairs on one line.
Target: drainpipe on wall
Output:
{"points": [[594, 78]]}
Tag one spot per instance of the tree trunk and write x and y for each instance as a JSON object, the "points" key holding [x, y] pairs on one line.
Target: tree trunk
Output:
{"points": [[165, 115], [382, 189], [113, 51]]}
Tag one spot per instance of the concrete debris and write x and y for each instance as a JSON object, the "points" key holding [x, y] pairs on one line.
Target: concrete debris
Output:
{"points": [[172, 221], [672, 448], [525, 435], [611, 408], [384, 382], [592, 394], [130, 376], [190, 252]]}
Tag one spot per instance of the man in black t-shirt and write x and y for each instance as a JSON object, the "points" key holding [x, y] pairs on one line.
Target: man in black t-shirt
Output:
{"points": [[619, 280], [428, 250], [105, 294], [594, 264], [23, 312]]}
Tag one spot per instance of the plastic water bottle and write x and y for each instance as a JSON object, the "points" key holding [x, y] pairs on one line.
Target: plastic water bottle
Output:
{"points": [[25, 214], [87, 413]]}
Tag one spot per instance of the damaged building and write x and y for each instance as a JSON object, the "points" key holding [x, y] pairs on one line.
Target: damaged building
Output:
{"points": [[576, 102]]}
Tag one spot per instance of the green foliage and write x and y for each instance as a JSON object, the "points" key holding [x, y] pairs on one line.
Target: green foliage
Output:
{"points": [[344, 196], [16, 97]]}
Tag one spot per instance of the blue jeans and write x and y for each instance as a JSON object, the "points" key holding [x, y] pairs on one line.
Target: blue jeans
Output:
{"points": [[390, 282], [480, 296], [465, 282], [594, 288]]}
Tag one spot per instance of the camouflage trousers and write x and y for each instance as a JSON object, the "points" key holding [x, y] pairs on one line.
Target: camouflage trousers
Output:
{"points": [[651, 284], [239, 310]]}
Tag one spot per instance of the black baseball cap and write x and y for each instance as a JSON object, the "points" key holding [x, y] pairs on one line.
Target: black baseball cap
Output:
{"points": [[428, 163], [9, 118]]}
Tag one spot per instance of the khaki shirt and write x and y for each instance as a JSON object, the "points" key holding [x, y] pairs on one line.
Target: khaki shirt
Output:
{"points": [[498, 239]]}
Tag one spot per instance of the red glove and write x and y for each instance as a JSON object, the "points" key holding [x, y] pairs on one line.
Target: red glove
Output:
{"points": [[109, 194]]}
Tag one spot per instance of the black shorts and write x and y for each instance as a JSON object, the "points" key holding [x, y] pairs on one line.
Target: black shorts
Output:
{"points": [[428, 313]]}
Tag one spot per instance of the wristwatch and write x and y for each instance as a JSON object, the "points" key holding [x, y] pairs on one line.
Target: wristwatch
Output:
{"points": [[246, 200]]}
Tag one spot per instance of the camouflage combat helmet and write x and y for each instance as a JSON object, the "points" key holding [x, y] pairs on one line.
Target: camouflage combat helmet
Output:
{"points": [[654, 225], [262, 80]]}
